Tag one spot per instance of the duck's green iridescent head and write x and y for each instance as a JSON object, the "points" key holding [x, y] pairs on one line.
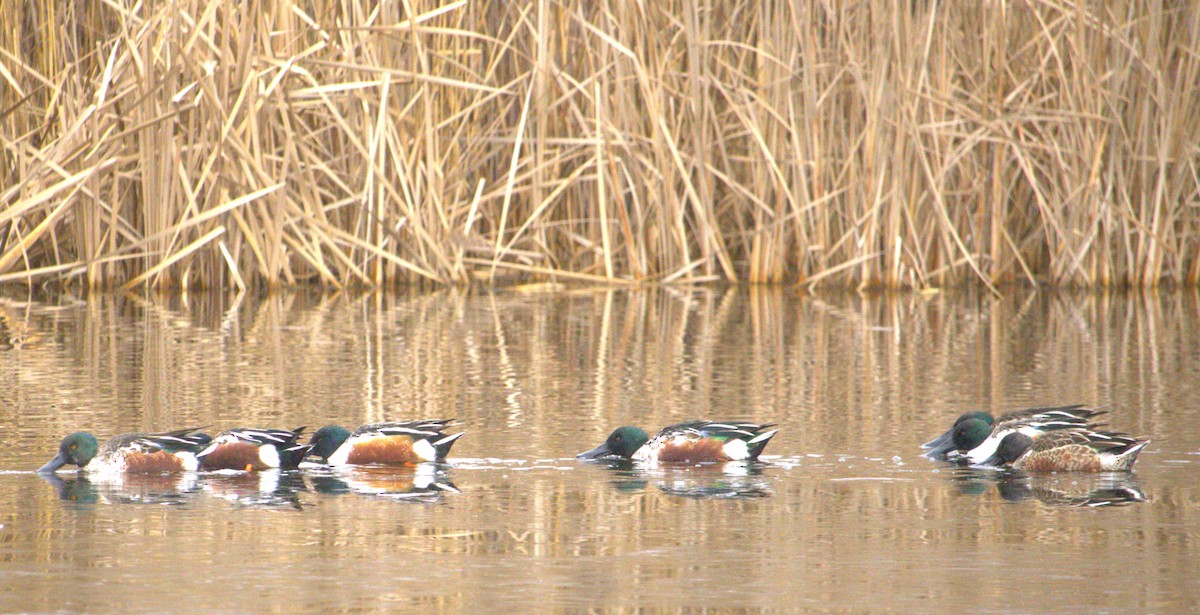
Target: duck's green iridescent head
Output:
{"points": [[970, 433], [622, 442], [327, 440], [980, 415], [78, 448]]}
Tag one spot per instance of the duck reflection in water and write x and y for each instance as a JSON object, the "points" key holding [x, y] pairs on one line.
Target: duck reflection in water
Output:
{"points": [[272, 488], [424, 482], [1066, 489], [1090, 491], [162, 489], [717, 481]]}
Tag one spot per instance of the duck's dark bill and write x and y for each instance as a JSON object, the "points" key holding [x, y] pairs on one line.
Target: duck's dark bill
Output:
{"points": [[596, 453], [995, 461], [59, 461], [943, 451], [939, 441]]}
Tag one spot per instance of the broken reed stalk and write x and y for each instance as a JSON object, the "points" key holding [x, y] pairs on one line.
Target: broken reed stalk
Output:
{"points": [[871, 144]]}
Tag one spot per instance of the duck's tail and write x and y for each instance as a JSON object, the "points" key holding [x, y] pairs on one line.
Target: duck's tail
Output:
{"points": [[442, 445], [755, 445], [1124, 460]]}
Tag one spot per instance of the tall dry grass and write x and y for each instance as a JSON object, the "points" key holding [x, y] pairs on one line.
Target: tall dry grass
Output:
{"points": [[900, 144]]}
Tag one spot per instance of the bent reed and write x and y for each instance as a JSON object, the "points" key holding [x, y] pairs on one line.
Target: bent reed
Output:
{"points": [[202, 143]]}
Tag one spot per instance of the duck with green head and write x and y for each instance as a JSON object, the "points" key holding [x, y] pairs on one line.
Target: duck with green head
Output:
{"points": [[694, 441], [171, 451], [396, 443], [979, 430]]}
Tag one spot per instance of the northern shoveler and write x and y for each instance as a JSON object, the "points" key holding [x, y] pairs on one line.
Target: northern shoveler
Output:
{"points": [[405, 443], [695, 441], [976, 444], [171, 451], [1070, 450], [254, 449], [974, 430]]}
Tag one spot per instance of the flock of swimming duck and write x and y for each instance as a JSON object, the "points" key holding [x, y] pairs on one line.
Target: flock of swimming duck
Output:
{"points": [[1036, 440]]}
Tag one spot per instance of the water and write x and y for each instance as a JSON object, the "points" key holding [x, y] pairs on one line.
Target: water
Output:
{"points": [[844, 514]]}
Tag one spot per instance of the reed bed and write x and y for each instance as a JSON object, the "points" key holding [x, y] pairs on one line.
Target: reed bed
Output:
{"points": [[202, 143]]}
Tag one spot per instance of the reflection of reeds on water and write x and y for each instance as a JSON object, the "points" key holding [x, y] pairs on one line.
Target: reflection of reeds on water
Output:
{"points": [[869, 366], [539, 374], [902, 144], [547, 374]]}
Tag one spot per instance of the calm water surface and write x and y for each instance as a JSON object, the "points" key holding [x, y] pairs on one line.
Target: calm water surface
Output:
{"points": [[844, 514]]}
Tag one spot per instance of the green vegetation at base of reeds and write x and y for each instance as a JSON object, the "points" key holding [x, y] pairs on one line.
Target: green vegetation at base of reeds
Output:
{"points": [[864, 144]]}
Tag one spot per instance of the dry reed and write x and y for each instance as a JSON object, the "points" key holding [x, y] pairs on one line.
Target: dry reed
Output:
{"points": [[898, 144]]}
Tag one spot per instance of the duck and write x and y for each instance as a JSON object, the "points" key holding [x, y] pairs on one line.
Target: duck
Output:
{"points": [[169, 451], [974, 444], [251, 449], [394, 443], [979, 430], [1070, 450], [693, 441]]}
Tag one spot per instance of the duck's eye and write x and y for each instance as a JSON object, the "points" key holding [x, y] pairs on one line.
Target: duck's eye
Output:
{"points": [[74, 446]]}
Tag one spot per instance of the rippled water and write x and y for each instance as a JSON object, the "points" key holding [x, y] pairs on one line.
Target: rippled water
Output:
{"points": [[845, 514]]}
